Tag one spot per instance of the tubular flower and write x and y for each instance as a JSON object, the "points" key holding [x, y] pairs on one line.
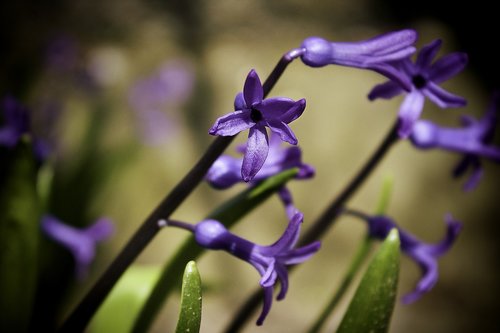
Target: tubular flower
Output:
{"points": [[424, 254], [81, 242], [376, 53], [255, 113], [425, 78], [474, 140], [270, 261]]}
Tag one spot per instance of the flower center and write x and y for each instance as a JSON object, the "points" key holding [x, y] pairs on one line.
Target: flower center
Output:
{"points": [[255, 115], [419, 81]]}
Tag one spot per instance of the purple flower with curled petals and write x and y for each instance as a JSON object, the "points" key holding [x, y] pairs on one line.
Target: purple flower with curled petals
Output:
{"points": [[425, 77], [474, 140], [270, 261], [255, 113], [424, 254], [376, 54], [81, 242]]}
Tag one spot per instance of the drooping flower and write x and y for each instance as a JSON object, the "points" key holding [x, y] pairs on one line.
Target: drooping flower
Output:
{"points": [[270, 261], [474, 140], [425, 77], [255, 113], [81, 242], [16, 123], [425, 255], [154, 99], [376, 54]]}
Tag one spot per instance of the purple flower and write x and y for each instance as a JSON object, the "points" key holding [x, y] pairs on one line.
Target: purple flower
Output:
{"points": [[165, 90], [424, 77], [255, 113], [424, 254], [81, 242], [376, 54], [15, 122], [270, 261], [226, 170], [474, 140]]}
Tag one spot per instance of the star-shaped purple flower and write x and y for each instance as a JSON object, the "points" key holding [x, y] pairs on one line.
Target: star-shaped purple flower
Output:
{"points": [[376, 54], [81, 242], [474, 140], [255, 113], [424, 254], [425, 77], [270, 261]]}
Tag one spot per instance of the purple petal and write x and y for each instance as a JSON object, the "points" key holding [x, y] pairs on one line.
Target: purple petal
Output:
{"points": [[425, 134], [447, 67], [103, 228], [225, 172], [429, 268], [232, 123], [294, 112], [385, 90], [283, 130], [409, 112], [441, 97], [276, 107], [269, 277], [288, 239], [252, 91], [297, 256], [427, 54], [393, 74], [287, 200], [283, 277], [268, 301], [239, 102], [256, 152], [453, 228]]}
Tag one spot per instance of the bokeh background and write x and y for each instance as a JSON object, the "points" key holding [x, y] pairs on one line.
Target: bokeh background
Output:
{"points": [[124, 92]]}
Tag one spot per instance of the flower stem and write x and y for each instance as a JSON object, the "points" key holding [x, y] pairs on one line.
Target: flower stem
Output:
{"points": [[326, 219], [81, 315], [356, 263]]}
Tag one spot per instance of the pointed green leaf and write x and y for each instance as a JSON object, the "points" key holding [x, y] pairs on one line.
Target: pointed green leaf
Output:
{"points": [[372, 305], [190, 314], [228, 214], [19, 234], [121, 308]]}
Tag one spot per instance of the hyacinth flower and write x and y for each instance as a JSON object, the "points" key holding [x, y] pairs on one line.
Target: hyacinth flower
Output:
{"points": [[16, 123], [255, 113], [474, 140], [166, 89], [80, 242], [226, 170], [425, 255], [425, 77], [270, 261], [376, 54]]}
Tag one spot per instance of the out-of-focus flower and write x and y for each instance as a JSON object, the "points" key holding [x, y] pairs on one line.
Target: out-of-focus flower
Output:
{"points": [[474, 140], [425, 78], [156, 97], [255, 113], [376, 54], [81, 242], [270, 261], [425, 255]]}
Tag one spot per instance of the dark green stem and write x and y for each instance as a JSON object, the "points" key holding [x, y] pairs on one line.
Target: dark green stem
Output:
{"points": [[79, 318], [325, 220]]}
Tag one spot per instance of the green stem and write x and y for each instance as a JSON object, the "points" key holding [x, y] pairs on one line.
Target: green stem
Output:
{"points": [[325, 220], [356, 263], [79, 318]]}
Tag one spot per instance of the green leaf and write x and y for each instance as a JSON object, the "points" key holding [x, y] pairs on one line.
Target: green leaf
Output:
{"points": [[19, 235], [190, 314], [121, 308], [372, 305], [228, 214]]}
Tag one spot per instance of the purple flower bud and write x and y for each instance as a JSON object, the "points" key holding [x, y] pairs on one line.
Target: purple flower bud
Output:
{"points": [[376, 54], [81, 242], [474, 140], [424, 254], [424, 77], [270, 261], [255, 113]]}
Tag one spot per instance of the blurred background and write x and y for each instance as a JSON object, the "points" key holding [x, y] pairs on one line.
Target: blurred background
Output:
{"points": [[124, 93]]}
